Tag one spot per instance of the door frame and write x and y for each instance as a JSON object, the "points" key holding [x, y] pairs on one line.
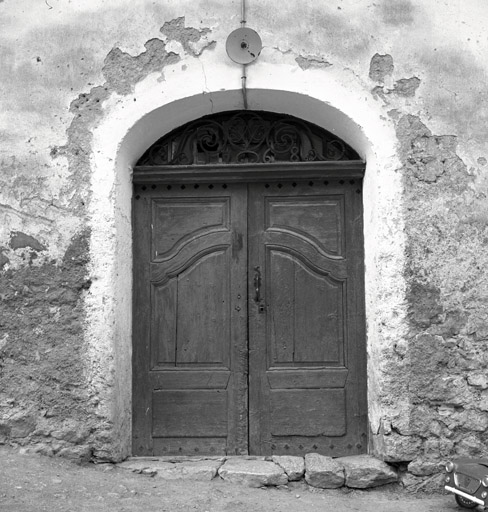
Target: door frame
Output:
{"points": [[259, 173]]}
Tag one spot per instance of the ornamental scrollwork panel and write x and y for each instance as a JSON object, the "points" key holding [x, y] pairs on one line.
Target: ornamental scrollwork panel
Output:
{"points": [[246, 137]]}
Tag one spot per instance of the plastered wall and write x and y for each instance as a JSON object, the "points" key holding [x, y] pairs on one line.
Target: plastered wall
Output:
{"points": [[86, 88]]}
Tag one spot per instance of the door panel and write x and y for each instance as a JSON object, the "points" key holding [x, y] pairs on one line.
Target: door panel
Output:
{"points": [[299, 216], [182, 331], [290, 412], [299, 292], [307, 382], [190, 379]]}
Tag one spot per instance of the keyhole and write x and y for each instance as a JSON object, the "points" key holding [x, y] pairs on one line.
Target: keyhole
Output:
{"points": [[244, 45]]}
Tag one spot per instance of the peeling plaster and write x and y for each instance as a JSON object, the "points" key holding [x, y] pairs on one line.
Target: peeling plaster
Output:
{"points": [[19, 240], [307, 62], [122, 71], [447, 298], [193, 41], [428, 157], [406, 86], [380, 67]]}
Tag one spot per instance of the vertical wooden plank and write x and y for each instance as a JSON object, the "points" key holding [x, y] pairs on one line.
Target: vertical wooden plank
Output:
{"points": [[280, 281], [203, 310], [238, 411], [259, 430], [356, 325], [141, 396], [318, 317], [163, 323]]}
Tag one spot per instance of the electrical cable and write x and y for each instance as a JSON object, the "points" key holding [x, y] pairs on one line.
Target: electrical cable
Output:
{"points": [[244, 75]]}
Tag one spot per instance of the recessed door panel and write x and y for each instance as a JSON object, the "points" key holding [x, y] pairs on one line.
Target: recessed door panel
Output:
{"points": [[305, 312], [308, 412], [175, 221], [319, 220], [203, 316]]}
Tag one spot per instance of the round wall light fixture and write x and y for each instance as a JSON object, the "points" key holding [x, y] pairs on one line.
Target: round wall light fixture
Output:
{"points": [[243, 45]]}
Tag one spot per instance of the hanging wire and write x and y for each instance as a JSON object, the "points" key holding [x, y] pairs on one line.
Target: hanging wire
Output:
{"points": [[244, 76], [243, 12]]}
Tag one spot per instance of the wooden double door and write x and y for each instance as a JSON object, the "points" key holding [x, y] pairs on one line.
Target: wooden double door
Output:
{"points": [[249, 319]]}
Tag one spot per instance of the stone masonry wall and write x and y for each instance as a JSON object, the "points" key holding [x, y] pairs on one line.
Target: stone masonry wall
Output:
{"points": [[45, 398], [442, 363]]}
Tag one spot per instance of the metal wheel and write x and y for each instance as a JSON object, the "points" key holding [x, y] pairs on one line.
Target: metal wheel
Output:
{"points": [[464, 502]]}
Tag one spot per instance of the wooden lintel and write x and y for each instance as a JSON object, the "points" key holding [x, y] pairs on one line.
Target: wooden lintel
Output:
{"points": [[248, 172]]}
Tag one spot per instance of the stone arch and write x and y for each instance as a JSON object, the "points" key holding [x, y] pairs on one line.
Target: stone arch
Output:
{"points": [[117, 149]]}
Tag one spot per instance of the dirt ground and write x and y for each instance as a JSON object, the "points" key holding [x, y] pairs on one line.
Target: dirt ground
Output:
{"points": [[31, 483]]}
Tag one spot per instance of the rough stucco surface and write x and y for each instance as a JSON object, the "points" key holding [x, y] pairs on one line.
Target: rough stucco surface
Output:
{"points": [[48, 398], [418, 67], [443, 359], [44, 390]]}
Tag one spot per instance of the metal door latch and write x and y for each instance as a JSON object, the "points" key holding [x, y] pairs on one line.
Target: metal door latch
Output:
{"points": [[257, 284], [257, 289]]}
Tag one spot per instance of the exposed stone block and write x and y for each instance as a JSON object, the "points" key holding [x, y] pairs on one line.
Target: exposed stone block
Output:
{"points": [[396, 448], [324, 472], [202, 470], [294, 467], [478, 380], [76, 453], [424, 467], [21, 425], [253, 473], [364, 471]]}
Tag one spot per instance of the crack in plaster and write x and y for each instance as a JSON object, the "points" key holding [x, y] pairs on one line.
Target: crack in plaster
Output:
{"points": [[277, 48], [23, 214], [206, 90]]}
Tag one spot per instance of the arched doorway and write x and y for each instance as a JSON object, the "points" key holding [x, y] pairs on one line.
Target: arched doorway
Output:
{"points": [[249, 331]]}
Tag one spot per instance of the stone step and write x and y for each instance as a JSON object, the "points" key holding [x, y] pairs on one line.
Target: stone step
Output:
{"points": [[359, 472]]}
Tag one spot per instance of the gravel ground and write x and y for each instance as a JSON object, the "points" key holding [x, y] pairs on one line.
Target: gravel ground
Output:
{"points": [[31, 483]]}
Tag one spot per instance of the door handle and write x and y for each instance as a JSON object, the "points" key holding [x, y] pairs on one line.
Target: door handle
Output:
{"points": [[257, 284], [257, 289]]}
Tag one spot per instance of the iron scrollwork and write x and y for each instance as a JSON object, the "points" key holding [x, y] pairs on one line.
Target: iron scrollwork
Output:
{"points": [[246, 137]]}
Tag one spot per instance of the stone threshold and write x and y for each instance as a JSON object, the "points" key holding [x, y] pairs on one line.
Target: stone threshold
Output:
{"points": [[357, 472]]}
